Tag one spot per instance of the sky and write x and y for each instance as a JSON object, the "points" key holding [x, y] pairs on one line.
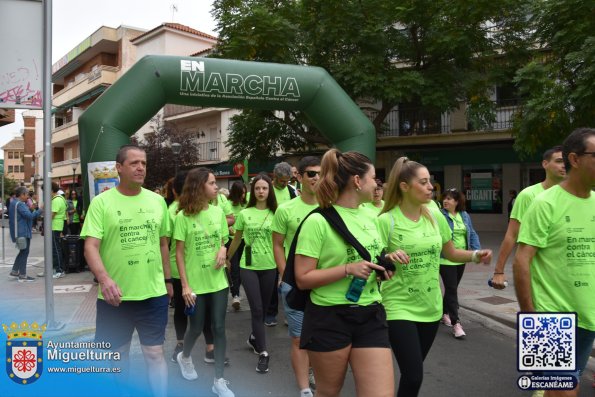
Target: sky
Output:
{"points": [[75, 20]]}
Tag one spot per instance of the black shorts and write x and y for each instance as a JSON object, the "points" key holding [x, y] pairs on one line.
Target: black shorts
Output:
{"points": [[115, 324], [331, 328]]}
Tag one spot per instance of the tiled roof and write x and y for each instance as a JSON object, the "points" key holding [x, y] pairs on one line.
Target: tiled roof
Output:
{"points": [[203, 52], [176, 26], [16, 143]]}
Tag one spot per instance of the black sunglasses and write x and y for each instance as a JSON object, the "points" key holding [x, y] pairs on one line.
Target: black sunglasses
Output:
{"points": [[312, 174]]}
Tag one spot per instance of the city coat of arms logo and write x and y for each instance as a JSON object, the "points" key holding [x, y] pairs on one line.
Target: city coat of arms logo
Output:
{"points": [[24, 351]]}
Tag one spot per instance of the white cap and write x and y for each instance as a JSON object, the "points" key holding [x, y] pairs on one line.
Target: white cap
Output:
{"points": [[61, 192]]}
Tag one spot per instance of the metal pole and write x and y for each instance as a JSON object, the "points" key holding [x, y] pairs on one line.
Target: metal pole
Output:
{"points": [[47, 164], [2, 206]]}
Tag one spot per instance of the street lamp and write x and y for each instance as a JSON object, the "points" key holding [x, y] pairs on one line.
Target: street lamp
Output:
{"points": [[73, 176], [176, 148]]}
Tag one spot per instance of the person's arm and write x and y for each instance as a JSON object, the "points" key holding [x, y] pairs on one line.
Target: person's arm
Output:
{"points": [[230, 219], [111, 292], [522, 276], [307, 276], [279, 253], [164, 248], [462, 256], [235, 243], [180, 261], [508, 244]]}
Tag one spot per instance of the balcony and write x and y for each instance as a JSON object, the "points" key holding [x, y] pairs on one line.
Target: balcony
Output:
{"points": [[417, 121], [209, 151], [86, 83], [170, 110], [64, 168], [65, 133]]}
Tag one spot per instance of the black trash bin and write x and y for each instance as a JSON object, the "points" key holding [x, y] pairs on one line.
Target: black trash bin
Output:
{"points": [[72, 248]]}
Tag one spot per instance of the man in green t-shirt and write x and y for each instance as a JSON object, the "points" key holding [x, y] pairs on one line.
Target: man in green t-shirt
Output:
{"points": [[126, 247], [58, 204], [553, 164], [554, 267], [287, 219], [283, 193]]}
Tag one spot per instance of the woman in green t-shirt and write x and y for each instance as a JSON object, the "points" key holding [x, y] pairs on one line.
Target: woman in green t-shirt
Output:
{"points": [[258, 269], [463, 237], [337, 332], [237, 198], [200, 231], [416, 236]]}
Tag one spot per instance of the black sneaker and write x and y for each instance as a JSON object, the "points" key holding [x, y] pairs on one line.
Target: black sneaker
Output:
{"points": [[263, 363], [26, 279], [252, 343], [210, 358], [270, 321], [179, 348], [13, 274]]}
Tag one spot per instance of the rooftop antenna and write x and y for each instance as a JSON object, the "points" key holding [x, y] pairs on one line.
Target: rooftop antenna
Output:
{"points": [[174, 8]]}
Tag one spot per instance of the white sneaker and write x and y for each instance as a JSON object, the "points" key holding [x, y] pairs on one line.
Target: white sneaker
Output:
{"points": [[235, 303], [446, 320], [306, 393], [186, 367], [58, 275], [457, 331], [220, 388]]}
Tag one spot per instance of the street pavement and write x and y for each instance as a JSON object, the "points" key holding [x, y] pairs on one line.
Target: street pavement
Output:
{"points": [[482, 364]]}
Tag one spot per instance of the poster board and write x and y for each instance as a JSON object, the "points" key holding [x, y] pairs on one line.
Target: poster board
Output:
{"points": [[21, 73]]}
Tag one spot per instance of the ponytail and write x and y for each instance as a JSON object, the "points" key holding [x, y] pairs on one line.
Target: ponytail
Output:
{"points": [[335, 170]]}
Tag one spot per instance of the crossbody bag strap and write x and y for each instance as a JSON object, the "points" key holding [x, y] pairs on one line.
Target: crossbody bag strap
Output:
{"points": [[335, 220], [289, 273], [16, 220]]}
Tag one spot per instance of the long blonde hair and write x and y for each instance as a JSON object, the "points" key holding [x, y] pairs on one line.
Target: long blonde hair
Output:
{"points": [[335, 170], [404, 170]]}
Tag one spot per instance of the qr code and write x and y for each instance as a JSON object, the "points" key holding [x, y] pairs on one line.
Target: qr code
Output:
{"points": [[546, 341]]}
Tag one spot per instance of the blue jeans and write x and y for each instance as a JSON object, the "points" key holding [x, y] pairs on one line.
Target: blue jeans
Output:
{"points": [[20, 262]]}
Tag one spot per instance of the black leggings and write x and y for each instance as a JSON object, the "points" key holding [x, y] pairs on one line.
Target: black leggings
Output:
{"points": [[258, 285], [217, 304], [234, 272], [411, 341], [181, 319], [451, 277]]}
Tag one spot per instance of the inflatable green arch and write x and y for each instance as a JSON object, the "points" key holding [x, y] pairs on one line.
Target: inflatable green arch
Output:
{"points": [[158, 80]]}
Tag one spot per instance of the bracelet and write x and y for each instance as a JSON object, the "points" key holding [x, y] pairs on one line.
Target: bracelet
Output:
{"points": [[498, 273], [475, 256], [346, 274], [168, 280]]}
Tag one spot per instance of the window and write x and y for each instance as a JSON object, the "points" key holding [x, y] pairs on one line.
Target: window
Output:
{"points": [[10, 169], [11, 155], [482, 186], [22, 168]]}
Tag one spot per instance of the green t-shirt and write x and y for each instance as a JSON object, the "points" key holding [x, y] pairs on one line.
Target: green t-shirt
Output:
{"points": [[59, 207], [255, 225], [282, 195], [75, 215], [414, 291], [224, 203], [372, 208], [433, 205], [202, 234], [172, 210], [235, 209], [130, 228], [524, 199], [459, 236], [288, 218], [562, 227], [319, 240]]}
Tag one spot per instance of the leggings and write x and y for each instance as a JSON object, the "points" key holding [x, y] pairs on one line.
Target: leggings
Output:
{"points": [[411, 341], [258, 285], [451, 277], [234, 272], [217, 302], [181, 319]]}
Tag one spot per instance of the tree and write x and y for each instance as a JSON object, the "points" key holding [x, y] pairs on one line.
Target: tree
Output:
{"points": [[557, 84], [161, 161], [430, 54]]}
